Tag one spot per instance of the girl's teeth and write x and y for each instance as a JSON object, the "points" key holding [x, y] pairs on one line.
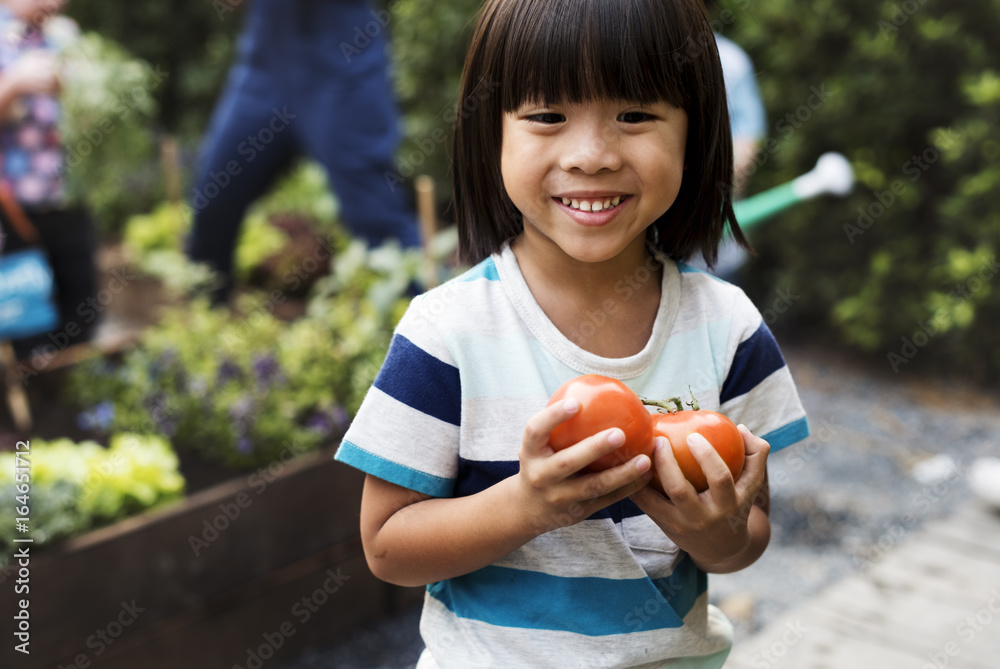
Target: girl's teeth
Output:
{"points": [[597, 205]]}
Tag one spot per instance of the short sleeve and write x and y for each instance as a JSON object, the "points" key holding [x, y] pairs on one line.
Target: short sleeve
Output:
{"points": [[758, 390], [407, 429]]}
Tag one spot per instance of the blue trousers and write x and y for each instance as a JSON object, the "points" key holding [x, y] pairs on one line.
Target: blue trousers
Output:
{"points": [[311, 78]]}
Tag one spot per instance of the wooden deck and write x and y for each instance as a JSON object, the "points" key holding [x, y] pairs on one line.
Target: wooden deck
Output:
{"points": [[931, 601]]}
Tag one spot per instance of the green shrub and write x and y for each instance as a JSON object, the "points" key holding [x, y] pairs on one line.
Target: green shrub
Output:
{"points": [[905, 268], [427, 77], [75, 487], [108, 107], [240, 388], [278, 235]]}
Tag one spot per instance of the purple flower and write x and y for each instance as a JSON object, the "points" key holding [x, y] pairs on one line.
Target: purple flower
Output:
{"points": [[164, 363], [228, 371], [98, 418], [266, 369], [244, 445], [320, 422]]}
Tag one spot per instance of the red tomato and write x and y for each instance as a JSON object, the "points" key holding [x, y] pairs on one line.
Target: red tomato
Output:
{"points": [[716, 428], [604, 403]]}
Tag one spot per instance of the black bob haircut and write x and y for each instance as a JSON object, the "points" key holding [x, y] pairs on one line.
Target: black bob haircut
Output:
{"points": [[580, 50]]}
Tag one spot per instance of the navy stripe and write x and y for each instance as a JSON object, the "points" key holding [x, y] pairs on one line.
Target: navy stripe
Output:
{"points": [[478, 475], [757, 357], [592, 606], [421, 381]]}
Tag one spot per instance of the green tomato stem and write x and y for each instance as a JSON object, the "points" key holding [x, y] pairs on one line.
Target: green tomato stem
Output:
{"points": [[693, 403], [670, 405]]}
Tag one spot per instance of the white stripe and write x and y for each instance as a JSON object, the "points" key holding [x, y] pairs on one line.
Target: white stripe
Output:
{"points": [[433, 450], [457, 643]]}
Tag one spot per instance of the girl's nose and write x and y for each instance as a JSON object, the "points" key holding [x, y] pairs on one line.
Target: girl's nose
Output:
{"points": [[593, 147]]}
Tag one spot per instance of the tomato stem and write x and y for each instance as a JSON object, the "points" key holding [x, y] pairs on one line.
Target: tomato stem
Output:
{"points": [[669, 405], [693, 403]]}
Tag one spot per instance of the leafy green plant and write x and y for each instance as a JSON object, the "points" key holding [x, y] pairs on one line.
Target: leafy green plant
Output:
{"points": [[78, 486], [280, 233], [905, 267], [238, 388], [109, 104]]}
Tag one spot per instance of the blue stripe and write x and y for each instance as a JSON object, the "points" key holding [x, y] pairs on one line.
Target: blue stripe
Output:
{"points": [[787, 435], [582, 605], [357, 457], [421, 381], [487, 269], [757, 357]]}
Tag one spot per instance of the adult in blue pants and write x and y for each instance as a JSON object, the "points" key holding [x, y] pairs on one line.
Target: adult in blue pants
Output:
{"points": [[311, 78]]}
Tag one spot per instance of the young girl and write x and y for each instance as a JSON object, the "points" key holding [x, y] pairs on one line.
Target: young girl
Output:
{"points": [[589, 161]]}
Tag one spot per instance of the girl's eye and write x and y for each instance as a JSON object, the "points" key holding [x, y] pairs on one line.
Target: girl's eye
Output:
{"points": [[635, 117], [548, 118]]}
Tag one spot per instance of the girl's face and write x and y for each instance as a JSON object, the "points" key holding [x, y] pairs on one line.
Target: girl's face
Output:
{"points": [[589, 178]]}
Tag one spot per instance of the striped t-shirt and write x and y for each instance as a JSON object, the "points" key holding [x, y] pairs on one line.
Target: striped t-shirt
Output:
{"points": [[471, 361]]}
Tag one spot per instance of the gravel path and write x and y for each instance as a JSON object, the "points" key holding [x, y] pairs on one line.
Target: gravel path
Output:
{"points": [[888, 453]]}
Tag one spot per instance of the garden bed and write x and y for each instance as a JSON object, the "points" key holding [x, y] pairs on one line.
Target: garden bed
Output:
{"points": [[251, 564], [261, 565]]}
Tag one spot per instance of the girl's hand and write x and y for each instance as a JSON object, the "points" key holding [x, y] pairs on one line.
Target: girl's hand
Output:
{"points": [[552, 493], [724, 528]]}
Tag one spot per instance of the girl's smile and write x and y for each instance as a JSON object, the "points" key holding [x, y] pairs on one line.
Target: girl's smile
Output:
{"points": [[589, 178]]}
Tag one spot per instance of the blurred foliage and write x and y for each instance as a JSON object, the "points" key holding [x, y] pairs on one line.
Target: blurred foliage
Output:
{"points": [[239, 388], [108, 106], [905, 268], [280, 233], [191, 41], [75, 487], [427, 78]]}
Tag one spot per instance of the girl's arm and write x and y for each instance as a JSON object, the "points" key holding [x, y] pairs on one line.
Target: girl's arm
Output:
{"points": [[724, 529], [412, 539]]}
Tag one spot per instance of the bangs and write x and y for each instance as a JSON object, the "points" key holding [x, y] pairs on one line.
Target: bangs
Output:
{"points": [[617, 49]]}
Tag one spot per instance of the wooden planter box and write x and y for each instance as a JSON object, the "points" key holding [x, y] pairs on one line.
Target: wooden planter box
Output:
{"points": [[238, 574]]}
